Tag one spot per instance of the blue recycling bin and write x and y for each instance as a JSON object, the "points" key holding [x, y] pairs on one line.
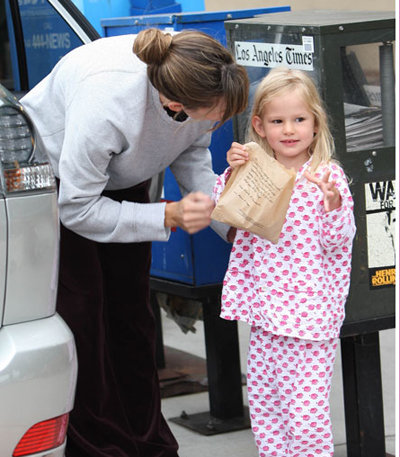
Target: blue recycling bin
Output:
{"points": [[140, 7], [211, 22], [199, 259]]}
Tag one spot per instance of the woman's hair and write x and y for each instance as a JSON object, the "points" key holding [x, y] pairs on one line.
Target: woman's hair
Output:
{"points": [[194, 69], [280, 81]]}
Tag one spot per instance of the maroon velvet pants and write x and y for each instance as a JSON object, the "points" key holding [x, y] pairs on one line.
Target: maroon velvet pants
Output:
{"points": [[103, 296]]}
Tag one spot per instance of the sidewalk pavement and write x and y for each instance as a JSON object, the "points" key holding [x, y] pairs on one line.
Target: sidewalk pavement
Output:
{"points": [[240, 443]]}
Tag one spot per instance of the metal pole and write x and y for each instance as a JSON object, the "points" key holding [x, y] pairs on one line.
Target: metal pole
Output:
{"points": [[387, 92], [223, 363], [362, 387]]}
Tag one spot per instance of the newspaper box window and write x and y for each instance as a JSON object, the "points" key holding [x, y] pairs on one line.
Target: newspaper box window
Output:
{"points": [[369, 109]]}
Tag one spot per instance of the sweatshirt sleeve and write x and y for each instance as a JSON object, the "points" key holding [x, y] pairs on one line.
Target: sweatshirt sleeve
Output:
{"points": [[193, 168], [193, 172], [337, 227], [89, 143]]}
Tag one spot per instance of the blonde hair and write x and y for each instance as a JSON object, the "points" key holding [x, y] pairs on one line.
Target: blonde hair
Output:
{"points": [[194, 69], [282, 80]]}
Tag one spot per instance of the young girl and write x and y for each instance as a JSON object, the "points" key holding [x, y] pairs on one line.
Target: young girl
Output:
{"points": [[292, 293]]}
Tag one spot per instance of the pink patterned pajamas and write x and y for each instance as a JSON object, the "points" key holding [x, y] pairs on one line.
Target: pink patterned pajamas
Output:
{"points": [[293, 294], [288, 383]]}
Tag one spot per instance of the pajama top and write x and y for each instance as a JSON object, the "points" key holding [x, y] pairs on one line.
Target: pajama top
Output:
{"points": [[297, 287]]}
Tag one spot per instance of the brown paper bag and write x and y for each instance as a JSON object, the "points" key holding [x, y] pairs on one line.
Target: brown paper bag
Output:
{"points": [[256, 196]]}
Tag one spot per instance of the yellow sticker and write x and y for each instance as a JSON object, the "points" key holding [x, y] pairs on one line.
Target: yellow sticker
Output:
{"points": [[384, 277]]}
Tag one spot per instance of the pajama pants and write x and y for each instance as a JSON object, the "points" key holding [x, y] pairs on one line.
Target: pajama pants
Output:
{"points": [[288, 383]]}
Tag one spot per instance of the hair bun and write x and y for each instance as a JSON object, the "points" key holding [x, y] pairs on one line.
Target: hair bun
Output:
{"points": [[152, 45]]}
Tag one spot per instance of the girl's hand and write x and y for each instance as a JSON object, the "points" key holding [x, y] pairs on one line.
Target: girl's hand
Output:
{"points": [[192, 213], [237, 155], [332, 198]]}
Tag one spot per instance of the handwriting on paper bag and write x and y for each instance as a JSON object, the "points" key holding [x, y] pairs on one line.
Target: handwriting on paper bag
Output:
{"points": [[257, 186]]}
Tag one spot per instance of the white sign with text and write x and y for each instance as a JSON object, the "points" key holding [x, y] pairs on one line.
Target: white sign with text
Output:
{"points": [[272, 55]]}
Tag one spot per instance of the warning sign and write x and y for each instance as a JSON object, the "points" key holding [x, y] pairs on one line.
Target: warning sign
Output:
{"points": [[380, 205]]}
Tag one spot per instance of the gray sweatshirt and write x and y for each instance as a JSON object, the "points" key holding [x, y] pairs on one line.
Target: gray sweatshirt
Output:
{"points": [[103, 127]]}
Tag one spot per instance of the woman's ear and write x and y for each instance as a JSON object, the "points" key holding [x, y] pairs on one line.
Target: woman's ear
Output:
{"points": [[258, 126], [175, 106]]}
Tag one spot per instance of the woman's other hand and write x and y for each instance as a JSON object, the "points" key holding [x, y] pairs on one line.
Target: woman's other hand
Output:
{"points": [[231, 234], [237, 155], [192, 213]]}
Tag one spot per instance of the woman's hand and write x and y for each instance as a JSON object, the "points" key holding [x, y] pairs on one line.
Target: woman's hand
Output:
{"points": [[332, 198], [237, 155], [231, 234], [191, 214]]}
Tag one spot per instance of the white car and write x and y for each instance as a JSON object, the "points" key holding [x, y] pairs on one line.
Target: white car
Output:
{"points": [[38, 363]]}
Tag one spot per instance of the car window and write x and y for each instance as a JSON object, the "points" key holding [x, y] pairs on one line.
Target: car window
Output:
{"points": [[34, 35]]}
